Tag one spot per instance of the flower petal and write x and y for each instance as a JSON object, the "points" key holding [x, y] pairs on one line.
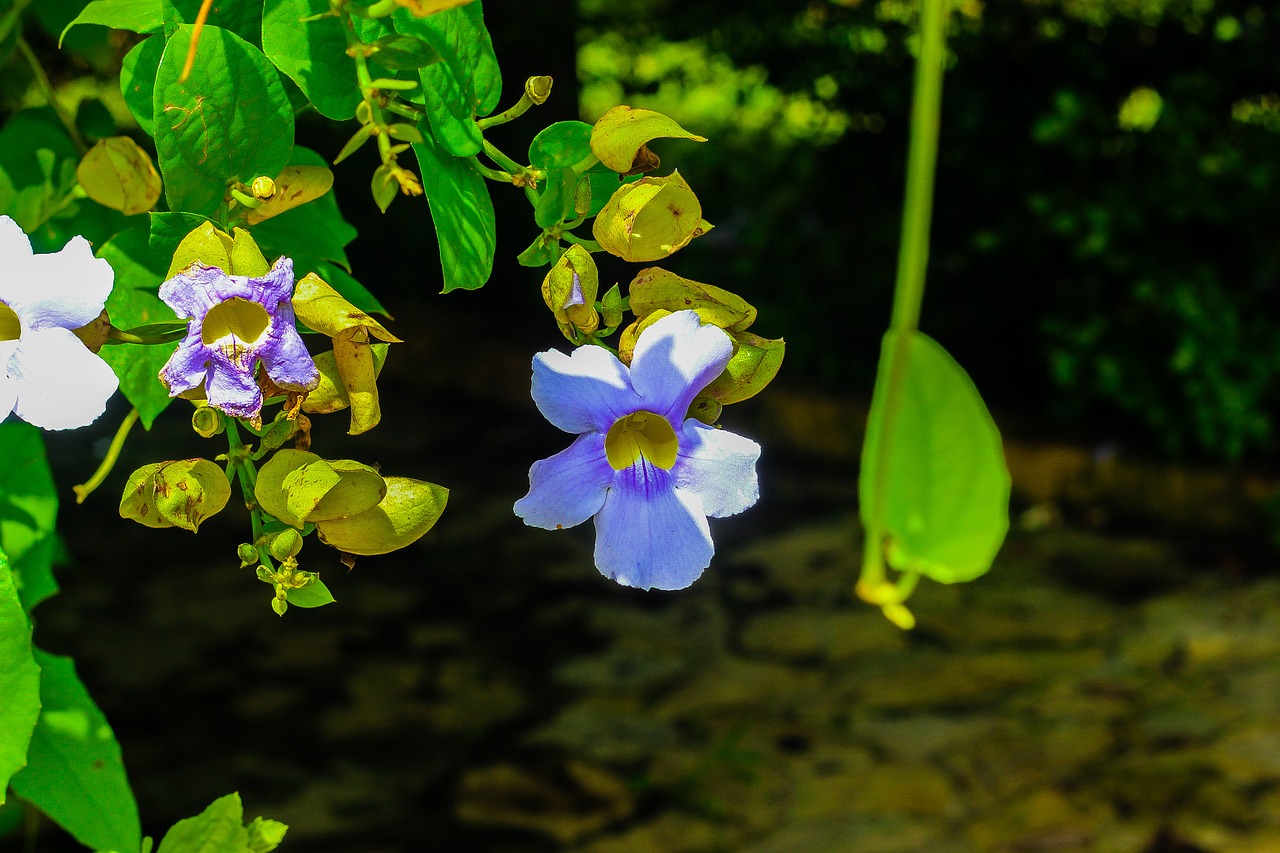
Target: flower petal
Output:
{"points": [[232, 389], [568, 488], [193, 292], [8, 386], [189, 365], [719, 467], [14, 244], [60, 384], [63, 290], [585, 391], [285, 356], [649, 534], [676, 358]]}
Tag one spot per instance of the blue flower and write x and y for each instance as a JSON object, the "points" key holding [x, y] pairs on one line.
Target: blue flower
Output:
{"points": [[235, 322], [47, 375], [648, 475]]}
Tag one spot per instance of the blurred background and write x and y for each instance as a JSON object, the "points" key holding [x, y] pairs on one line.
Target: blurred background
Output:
{"points": [[1104, 264]]}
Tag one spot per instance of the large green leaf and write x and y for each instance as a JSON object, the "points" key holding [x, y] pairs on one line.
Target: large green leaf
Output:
{"points": [[74, 771], [465, 83], [240, 17], [140, 267], [139, 16], [933, 480], [19, 680], [138, 81], [314, 55], [560, 145], [463, 215], [28, 509], [230, 121]]}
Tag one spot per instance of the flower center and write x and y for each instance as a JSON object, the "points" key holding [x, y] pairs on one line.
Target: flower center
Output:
{"points": [[641, 434], [10, 328], [234, 324]]}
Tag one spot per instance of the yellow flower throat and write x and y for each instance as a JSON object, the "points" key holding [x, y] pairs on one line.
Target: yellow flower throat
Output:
{"points": [[641, 434]]}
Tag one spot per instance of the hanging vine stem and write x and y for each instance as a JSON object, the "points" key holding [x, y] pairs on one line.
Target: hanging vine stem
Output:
{"points": [[908, 294]]}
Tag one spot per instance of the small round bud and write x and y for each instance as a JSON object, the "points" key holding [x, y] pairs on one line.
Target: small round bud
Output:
{"points": [[206, 421], [264, 575], [263, 187], [279, 605], [286, 544], [538, 89], [247, 553]]}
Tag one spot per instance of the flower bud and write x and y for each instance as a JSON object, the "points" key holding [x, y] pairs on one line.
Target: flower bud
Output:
{"points": [[207, 422], [650, 219], [247, 553], [263, 187], [409, 509], [286, 544], [569, 290], [538, 89]]}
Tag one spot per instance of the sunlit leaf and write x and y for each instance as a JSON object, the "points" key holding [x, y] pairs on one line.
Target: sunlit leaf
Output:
{"points": [[463, 215], [74, 771], [118, 174], [753, 366], [230, 121], [314, 54], [19, 680], [139, 16], [138, 81], [466, 82], [934, 480], [619, 138], [28, 509], [218, 829]]}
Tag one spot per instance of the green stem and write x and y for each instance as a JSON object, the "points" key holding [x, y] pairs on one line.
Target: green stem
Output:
{"points": [[502, 159], [109, 461], [913, 260], [238, 459], [513, 112], [491, 174], [42, 80], [404, 109], [589, 245]]}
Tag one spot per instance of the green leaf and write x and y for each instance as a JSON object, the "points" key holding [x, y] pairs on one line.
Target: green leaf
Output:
{"points": [[19, 680], [74, 771], [463, 215], [619, 138], [139, 16], [542, 251], [140, 265], [314, 55], [560, 145], [265, 835], [28, 509], [218, 829], [556, 203], [37, 167], [314, 594], [138, 81], [934, 481], [230, 121], [465, 83], [243, 19], [403, 53], [752, 367]]}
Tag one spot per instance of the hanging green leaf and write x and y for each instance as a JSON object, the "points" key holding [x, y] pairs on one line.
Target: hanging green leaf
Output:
{"points": [[230, 120], [139, 16], [556, 202], [140, 267], [933, 481], [560, 145], [619, 138], [466, 82], [28, 509], [314, 54], [138, 81], [74, 771], [19, 680], [462, 212]]}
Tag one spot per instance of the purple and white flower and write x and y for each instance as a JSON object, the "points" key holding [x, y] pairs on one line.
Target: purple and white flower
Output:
{"points": [[235, 322], [47, 375], [650, 476]]}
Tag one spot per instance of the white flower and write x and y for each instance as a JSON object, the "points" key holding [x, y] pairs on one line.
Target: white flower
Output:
{"points": [[47, 375]]}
